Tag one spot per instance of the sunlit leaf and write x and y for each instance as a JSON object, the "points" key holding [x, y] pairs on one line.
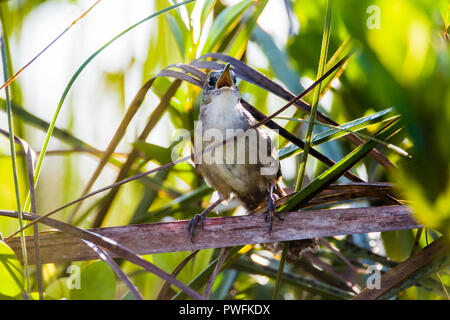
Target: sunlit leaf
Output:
{"points": [[207, 7], [224, 21], [97, 282], [239, 42], [58, 289], [11, 272], [334, 133], [154, 152]]}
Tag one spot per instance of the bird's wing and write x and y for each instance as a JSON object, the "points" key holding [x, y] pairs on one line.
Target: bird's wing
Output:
{"points": [[271, 150]]}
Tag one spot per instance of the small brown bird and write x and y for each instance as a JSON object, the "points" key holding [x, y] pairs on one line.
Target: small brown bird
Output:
{"points": [[249, 168]]}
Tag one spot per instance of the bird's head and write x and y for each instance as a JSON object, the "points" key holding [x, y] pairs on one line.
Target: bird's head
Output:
{"points": [[219, 82]]}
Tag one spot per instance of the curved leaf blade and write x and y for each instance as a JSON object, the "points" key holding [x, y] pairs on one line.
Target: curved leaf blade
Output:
{"points": [[224, 21]]}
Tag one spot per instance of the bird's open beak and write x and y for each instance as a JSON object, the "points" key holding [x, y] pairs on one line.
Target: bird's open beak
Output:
{"points": [[225, 79]]}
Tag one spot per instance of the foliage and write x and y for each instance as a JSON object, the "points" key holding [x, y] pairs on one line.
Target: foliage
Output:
{"points": [[392, 93]]}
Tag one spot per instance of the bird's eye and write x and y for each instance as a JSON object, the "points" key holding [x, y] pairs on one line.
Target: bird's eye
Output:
{"points": [[211, 82]]}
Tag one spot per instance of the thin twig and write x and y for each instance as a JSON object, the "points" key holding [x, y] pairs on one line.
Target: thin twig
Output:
{"points": [[105, 257], [165, 288], [224, 253]]}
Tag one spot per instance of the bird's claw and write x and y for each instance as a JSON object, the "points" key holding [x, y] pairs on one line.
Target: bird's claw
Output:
{"points": [[193, 222], [201, 216], [270, 212]]}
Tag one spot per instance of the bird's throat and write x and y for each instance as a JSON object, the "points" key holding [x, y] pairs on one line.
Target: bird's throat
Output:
{"points": [[222, 111]]}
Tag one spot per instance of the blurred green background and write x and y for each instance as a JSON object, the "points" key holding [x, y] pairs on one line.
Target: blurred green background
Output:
{"points": [[401, 61]]}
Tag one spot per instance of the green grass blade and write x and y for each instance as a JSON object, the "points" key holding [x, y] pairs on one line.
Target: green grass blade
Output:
{"points": [[335, 132], [333, 173], [177, 204], [345, 47], [14, 166], [317, 90], [207, 7], [224, 21], [180, 33], [293, 149], [367, 137], [361, 135], [276, 290], [43, 125], [278, 60], [148, 197], [357, 124], [294, 279], [203, 276], [239, 43], [75, 76]]}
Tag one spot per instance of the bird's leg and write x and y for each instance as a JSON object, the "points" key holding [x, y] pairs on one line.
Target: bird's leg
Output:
{"points": [[193, 222], [271, 210]]}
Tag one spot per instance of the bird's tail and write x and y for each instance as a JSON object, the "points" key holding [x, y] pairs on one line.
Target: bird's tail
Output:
{"points": [[255, 200], [252, 201]]}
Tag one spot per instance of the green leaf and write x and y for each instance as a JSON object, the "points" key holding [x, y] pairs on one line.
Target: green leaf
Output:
{"points": [[224, 21], [227, 277], [57, 290], [356, 125], [336, 171], [207, 7], [11, 272], [128, 296], [181, 202], [97, 283], [154, 152], [398, 244], [169, 261], [180, 33], [278, 60], [239, 43], [203, 277], [335, 132], [317, 91]]}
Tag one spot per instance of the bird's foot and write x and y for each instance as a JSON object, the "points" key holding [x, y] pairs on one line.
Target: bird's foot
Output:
{"points": [[201, 217], [193, 222], [270, 212]]}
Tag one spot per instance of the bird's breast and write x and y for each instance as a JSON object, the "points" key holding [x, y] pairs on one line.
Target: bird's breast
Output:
{"points": [[223, 112]]}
